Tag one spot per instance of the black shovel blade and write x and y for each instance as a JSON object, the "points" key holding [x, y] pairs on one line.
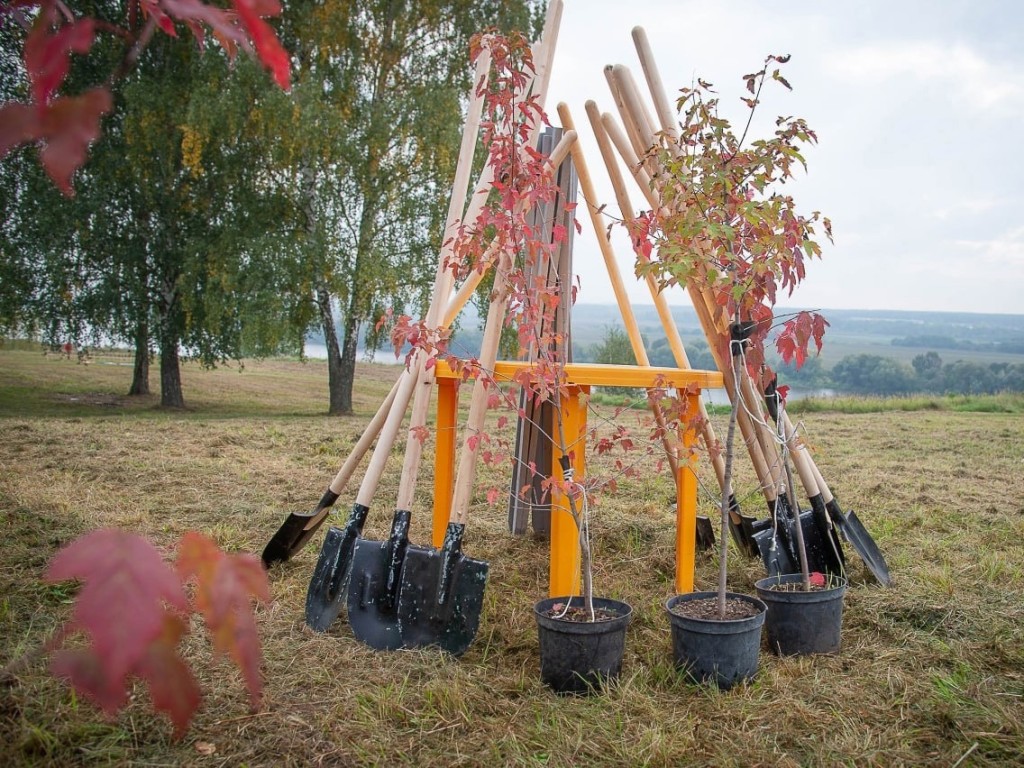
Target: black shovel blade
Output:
{"points": [[374, 584], [774, 554], [326, 593], [741, 527], [776, 540], [853, 531], [705, 533], [819, 545], [441, 595], [295, 531]]}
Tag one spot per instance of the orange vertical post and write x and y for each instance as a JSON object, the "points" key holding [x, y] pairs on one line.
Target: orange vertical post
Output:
{"points": [[686, 506], [444, 455], [564, 571]]}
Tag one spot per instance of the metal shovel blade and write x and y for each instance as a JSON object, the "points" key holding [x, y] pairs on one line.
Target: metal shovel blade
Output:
{"points": [[780, 554], [853, 530], [441, 595], [374, 585], [296, 530], [774, 554], [705, 534], [326, 593]]}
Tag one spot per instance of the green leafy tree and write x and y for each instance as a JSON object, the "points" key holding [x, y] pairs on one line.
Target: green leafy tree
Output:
{"points": [[615, 349], [170, 241], [371, 137], [873, 374], [928, 368]]}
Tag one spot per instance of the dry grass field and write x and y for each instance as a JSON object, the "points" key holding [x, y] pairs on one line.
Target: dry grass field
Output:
{"points": [[931, 671]]}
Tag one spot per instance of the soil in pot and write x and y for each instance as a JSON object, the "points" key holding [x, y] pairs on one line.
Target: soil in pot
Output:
{"points": [[800, 622], [709, 649], [577, 655]]}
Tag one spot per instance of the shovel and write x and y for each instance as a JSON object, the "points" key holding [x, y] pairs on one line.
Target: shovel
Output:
{"points": [[326, 593], [298, 528], [740, 526], [442, 590], [853, 530], [824, 552]]}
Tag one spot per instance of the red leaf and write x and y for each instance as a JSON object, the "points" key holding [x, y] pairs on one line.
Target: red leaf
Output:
{"points": [[19, 123], [493, 494], [171, 685], [89, 677], [47, 56], [817, 579], [268, 47], [225, 585], [121, 603], [68, 127]]}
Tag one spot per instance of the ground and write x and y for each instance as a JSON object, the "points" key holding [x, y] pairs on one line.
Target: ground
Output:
{"points": [[930, 671]]}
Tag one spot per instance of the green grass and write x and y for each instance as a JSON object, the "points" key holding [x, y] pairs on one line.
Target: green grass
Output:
{"points": [[930, 669], [1008, 402]]}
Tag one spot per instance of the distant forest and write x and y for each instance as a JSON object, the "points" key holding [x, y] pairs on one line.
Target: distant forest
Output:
{"points": [[870, 352]]}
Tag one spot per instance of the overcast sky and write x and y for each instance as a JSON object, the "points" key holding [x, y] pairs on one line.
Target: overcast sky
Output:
{"points": [[919, 111]]}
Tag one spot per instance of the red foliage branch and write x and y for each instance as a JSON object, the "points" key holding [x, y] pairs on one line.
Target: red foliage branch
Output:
{"points": [[63, 126], [133, 611], [727, 227]]}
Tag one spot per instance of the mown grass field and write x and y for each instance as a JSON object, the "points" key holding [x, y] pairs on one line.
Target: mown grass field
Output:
{"points": [[931, 671]]}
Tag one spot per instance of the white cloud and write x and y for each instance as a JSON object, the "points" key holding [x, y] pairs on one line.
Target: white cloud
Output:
{"points": [[970, 206], [1005, 252], [979, 82]]}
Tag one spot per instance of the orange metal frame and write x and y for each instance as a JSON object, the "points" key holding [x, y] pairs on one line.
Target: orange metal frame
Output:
{"points": [[563, 572]]}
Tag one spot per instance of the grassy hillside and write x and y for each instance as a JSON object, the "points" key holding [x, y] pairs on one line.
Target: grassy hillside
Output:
{"points": [[931, 670]]}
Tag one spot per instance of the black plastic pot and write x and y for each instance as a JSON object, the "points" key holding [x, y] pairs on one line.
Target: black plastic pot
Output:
{"points": [[801, 622], [713, 651], [577, 656]]}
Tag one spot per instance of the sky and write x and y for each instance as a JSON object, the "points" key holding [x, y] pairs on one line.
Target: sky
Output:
{"points": [[919, 112]]}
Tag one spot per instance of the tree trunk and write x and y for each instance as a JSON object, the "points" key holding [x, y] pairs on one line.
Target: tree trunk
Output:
{"points": [[170, 374], [339, 406], [140, 373], [348, 361]]}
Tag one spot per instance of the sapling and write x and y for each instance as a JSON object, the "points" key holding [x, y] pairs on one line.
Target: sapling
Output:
{"points": [[727, 233]]}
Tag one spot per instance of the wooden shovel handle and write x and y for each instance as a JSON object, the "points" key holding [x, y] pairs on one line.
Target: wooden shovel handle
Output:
{"points": [[443, 281], [466, 475], [666, 117], [614, 275], [364, 442]]}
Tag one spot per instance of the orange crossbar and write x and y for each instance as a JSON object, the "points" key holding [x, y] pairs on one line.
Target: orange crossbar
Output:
{"points": [[563, 569]]}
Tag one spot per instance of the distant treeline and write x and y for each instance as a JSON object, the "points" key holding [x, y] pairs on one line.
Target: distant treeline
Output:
{"points": [[930, 341], [862, 374]]}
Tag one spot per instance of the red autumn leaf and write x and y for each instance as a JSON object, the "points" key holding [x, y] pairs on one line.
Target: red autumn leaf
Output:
{"points": [[88, 675], [493, 494], [123, 609], [125, 583], [69, 126], [817, 579], [268, 47], [47, 55], [19, 123], [225, 586], [171, 685]]}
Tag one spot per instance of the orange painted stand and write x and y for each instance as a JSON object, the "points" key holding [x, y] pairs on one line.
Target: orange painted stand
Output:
{"points": [[563, 569]]}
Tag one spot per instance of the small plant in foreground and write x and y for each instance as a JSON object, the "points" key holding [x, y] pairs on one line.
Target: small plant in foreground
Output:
{"points": [[133, 610]]}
